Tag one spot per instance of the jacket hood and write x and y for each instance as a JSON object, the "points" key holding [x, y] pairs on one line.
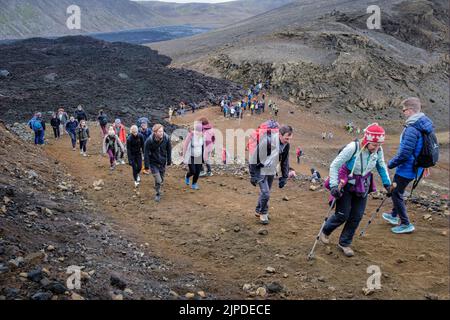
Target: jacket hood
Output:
{"points": [[421, 122]]}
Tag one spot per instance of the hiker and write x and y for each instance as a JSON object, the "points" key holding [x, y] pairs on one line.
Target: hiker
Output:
{"points": [[120, 131], [210, 139], [194, 153], [298, 153], [83, 137], [224, 156], [324, 135], [158, 155], [103, 122], [275, 110], [145, 130], [63, 118], [411, 142], [135, 149], [55, 123], [80, 114], [71, 129], [268, 147], [315, 175], [112, 146], [353, 167], [37, 124], [170, 114]]}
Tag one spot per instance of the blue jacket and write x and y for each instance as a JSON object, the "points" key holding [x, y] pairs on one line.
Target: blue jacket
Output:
{"points": [[411, 142], [71, 126]]}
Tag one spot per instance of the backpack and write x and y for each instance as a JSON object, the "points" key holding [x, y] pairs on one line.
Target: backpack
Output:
{"points": [[36, 125], [429, 154], [103, 120], [265, 128]]}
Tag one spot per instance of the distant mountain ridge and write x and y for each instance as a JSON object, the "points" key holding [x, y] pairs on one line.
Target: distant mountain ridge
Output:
{"points": [[44, 18]]}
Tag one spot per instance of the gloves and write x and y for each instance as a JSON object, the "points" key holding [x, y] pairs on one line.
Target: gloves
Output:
{"points": [[336, 193], [389, 189], [254, 181], [282, 182]]}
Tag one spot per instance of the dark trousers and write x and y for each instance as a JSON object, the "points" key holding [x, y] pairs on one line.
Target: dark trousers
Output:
{"points": [[104, 130], [136, 164], [56, 132], [194, 170], [398, 201], [83, 145], [158, 173], [298, 159], [349, 210], [262, 206], [73, 138]]}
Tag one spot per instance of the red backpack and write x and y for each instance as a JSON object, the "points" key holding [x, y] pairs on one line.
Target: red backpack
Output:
{"points": [[265, 128]]}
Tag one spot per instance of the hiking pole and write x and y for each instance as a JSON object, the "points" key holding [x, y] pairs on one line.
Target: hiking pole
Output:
{"points": [[363, 231], [311, 253]]}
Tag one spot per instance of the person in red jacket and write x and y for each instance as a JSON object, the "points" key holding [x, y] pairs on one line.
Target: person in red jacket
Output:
{"points": [[121, 132]]}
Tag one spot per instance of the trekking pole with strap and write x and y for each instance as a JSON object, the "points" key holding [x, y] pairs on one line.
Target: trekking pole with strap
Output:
{"points": [[363, 231], [311, 253]]}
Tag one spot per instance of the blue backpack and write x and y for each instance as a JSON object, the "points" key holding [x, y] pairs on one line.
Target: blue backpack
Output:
{"points": [[36, 125]]}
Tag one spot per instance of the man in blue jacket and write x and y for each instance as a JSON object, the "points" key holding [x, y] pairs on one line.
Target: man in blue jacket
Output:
{"points": [[411, 142]]}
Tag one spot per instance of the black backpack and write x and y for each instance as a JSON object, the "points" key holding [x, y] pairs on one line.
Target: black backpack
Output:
{"points": [[429, 154], [103, 120]]}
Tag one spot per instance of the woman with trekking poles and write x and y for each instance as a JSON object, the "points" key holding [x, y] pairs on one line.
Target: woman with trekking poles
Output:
{"points": [[353, 167]]}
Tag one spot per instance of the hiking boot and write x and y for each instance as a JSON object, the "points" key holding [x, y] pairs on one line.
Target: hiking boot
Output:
{"points": [[324, 238], [403, 228], [73, 149], [209, 174], [187, 180], [348, 252], [195, 187], [264, 219], [138, 178], [390, 219], [81, 152], [202, 174], [157, 198], [136, 184], [85, 154]]}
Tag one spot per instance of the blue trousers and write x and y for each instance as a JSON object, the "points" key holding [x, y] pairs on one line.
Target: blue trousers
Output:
{"points": [[39, 137]]}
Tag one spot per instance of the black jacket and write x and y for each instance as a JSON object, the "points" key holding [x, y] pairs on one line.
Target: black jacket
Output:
{"points": [[55, 122], [157, 153], [80, 115], [135, 146]]}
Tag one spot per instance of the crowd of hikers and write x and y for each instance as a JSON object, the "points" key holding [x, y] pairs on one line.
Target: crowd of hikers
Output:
{"points": [[254, 103], [350, 179]]}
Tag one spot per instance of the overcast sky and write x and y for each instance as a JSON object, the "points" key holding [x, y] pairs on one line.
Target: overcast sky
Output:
{"points": [[187, 1]]}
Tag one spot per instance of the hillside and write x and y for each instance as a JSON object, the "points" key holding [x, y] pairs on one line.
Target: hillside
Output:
{"points": [[212, 15], [125, 80], [43, 18], [321, 56]]}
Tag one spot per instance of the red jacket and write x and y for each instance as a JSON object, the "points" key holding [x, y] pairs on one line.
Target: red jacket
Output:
{"points": [[121, 132]]}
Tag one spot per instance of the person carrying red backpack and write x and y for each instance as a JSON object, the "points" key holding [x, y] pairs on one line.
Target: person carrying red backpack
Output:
{"points": [[268, 146]]}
